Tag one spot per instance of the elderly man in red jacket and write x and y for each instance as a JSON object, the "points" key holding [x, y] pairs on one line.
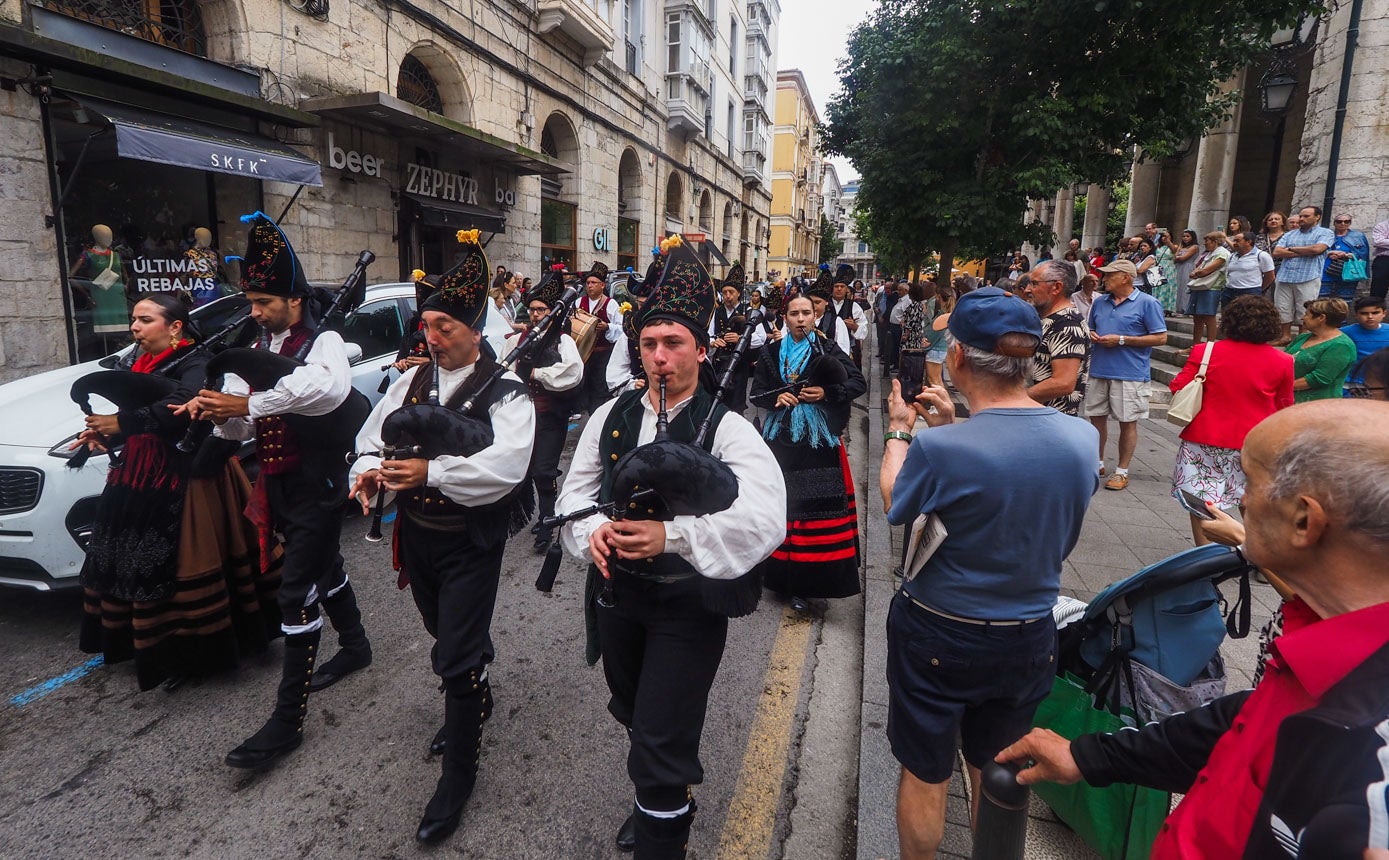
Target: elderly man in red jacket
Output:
{"points": [[1299, 766]]}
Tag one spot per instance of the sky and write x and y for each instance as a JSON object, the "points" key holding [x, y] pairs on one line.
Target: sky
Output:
{"points": [[813, 37]]}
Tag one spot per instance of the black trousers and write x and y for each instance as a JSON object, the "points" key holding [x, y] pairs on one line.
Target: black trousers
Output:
{"points": [[1379, 276], [307, 511], [595, 385], [661, 651], [736, 398], [454, 583], [551, 428]]}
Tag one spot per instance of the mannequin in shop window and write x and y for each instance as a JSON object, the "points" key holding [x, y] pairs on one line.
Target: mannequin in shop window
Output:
{"points": [[205, 270], [101, 266]]}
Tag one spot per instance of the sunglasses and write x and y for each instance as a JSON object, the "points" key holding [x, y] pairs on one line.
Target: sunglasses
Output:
{"points": [[1340, 221]]}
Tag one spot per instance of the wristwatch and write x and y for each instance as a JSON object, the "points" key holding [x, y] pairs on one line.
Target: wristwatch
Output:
{"points": [[896, 434], [1121, 340]]}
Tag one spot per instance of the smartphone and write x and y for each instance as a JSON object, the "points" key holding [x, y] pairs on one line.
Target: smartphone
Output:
{"points": [[1195, 505], [911, 372]]}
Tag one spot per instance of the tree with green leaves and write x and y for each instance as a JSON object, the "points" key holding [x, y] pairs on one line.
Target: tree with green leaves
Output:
{"points": [[957, 112], [831, 245]]}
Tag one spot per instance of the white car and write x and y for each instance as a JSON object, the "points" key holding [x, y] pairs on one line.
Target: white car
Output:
{"points": [[46, 509]]}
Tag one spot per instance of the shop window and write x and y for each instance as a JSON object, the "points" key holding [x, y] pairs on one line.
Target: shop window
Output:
{"points": [[417, 86], [376, 328], [171, 23], [557, 233], [628, 237]]}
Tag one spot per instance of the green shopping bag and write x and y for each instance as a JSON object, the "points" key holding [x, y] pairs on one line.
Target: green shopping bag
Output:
{"points": [[1121, 821]]}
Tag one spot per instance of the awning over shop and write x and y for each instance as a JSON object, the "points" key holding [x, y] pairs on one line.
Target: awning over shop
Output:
{"points": [[455, 216], [386, 113], [165, 139]]}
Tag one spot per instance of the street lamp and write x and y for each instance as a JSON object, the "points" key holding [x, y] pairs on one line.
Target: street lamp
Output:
{"points": [[1277, 86], [1276, 89]]}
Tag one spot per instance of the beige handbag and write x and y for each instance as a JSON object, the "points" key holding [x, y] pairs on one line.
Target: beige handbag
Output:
{"points": [[1187, 402]]}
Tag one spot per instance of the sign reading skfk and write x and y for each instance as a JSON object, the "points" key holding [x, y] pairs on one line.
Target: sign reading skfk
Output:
{"points": [[431, 182], [235, 164]]}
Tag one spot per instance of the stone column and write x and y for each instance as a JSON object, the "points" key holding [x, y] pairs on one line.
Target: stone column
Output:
{"points": [[1036, 211], [1143, 193], [1096, 213], [1064, 221], [1215, 170]]}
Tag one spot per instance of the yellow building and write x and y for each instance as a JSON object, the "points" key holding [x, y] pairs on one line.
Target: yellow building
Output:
{"points": [[796, 178]]}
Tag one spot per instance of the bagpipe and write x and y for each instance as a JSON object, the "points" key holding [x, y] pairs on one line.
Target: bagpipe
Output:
{"points": [[129, 390], [821, 370], [435, 430], [660, 480], [262, 369], [664, 479]]}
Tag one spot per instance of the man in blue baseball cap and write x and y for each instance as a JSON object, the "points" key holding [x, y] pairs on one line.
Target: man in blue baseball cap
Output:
{"points": [[970, 637]]}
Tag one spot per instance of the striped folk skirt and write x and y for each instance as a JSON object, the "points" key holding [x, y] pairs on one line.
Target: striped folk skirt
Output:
{"points": [[820, 555], [223, 602]]}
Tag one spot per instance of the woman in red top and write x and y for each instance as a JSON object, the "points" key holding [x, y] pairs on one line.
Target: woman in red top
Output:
{"points": [[1247, 381]]}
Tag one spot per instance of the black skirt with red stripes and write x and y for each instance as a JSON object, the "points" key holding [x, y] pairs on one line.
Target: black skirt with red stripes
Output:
{"points": [[820, 555]]}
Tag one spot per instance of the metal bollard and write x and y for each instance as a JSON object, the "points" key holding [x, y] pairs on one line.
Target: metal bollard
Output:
{"points": [[1001, 832]]}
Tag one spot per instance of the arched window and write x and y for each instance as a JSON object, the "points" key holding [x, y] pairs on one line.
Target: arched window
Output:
{"points": [[675, 197], [706, 212], [628, 208], [172, 23], [416, 85]]}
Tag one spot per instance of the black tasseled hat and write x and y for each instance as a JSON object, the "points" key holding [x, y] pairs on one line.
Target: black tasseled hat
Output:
{"points": [[269, 264], [462, 290], [684, 293]]}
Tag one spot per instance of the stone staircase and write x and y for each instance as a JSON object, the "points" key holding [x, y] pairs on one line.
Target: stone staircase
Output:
{"points": [[1167, 363]]}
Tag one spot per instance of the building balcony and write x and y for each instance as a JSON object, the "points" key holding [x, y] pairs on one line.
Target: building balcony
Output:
{"points": [[687, 103], [754, 167], [580, 22], [757, 11]]}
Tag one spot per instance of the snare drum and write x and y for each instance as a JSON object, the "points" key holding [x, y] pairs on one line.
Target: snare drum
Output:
{"points": [[583, 327]]}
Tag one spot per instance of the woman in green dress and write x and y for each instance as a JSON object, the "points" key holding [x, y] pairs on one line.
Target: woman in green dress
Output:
{"points": [[1322, 355], [1166, 292]]}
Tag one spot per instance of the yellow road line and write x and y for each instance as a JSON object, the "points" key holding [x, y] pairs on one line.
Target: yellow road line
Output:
{"points": [[747, 832]]}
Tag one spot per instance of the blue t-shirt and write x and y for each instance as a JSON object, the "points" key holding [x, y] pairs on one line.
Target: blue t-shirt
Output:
{"points": [[1367, 343], [1135, 316], [1012, 508]]}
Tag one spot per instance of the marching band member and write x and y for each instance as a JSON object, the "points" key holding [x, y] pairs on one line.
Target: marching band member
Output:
{"points": [[456, 513], [299, 491], [659, 640], [553, 376], [726, 327]]}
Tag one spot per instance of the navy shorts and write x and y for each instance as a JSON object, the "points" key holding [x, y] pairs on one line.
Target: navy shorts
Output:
{"points": [[949, 680], [1204, 303], [1229, 294]]}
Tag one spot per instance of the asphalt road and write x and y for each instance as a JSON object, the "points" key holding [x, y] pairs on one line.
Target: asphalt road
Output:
{"points": [[91, 767]]}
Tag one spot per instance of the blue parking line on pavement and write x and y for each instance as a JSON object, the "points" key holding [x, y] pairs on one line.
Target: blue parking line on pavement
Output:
{"points": [[388, 518], [573, 426], [52, 684]]}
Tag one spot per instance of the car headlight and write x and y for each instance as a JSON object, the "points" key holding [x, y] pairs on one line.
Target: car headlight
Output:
{"points": [[61, 449]]}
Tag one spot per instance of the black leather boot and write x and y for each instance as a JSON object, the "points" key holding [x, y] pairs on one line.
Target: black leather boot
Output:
{"points": [[464, 714], [354, 651], [441, 741], [627, 834], [662, 838], [284, 731], [546, 493]]}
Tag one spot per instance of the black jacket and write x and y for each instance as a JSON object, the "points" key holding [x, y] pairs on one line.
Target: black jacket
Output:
{"points": [[1327, 782], [837, 397]]}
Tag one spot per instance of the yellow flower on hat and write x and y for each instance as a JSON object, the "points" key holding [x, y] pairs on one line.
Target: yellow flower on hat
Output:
{"points": [[417, 275], [469, 236], [625, 307], [671, 242]]}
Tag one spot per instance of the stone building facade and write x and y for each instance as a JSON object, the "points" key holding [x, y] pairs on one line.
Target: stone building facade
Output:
{"points": [[856, 252], [1261, 159], [797, 173], [566, 130]]}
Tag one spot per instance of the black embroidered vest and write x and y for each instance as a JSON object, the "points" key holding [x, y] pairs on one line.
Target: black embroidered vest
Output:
{"points": [[488, 524], [277, 446]]}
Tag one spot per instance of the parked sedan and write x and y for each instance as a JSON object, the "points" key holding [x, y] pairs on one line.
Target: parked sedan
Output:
{"points": [[46, 508]]}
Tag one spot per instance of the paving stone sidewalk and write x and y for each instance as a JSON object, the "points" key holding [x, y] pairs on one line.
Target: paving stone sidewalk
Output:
{"points": [[1123, 531]]}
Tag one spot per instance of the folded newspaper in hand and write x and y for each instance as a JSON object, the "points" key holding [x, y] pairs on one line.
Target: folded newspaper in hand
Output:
{"points": [[927, 534]]}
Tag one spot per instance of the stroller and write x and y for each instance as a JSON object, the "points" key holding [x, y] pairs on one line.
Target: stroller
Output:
{"points": [[1144, 648]]}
